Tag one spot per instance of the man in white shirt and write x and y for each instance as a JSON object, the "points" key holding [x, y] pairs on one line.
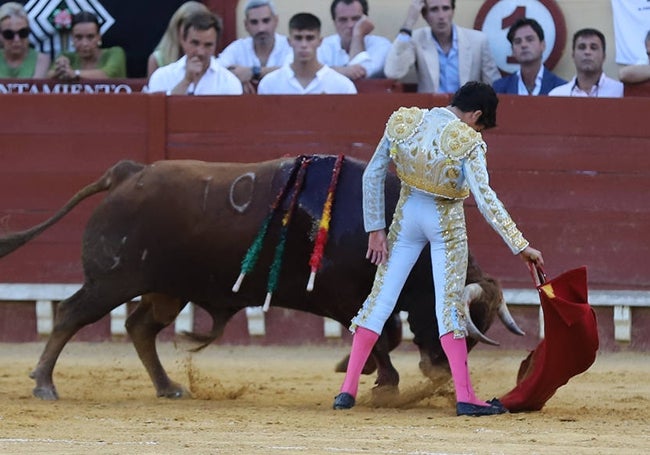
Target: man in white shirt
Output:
{"points": [[353, 51], [633, 74], [631, 19], [253, 57], [305, 75], [197, 72], [590, 80]]}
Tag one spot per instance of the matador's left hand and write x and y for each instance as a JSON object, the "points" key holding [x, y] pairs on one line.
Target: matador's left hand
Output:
{"points": [[377, 247]]}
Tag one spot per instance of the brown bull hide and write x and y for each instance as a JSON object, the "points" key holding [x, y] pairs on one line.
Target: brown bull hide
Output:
{"points": [[176, 231]]}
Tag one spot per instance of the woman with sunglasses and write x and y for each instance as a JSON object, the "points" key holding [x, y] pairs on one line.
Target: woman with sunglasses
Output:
{"points": [[89, 60], [17, 58]]}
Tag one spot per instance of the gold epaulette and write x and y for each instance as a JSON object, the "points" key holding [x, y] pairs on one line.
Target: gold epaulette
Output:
{"points": [[458, 139], [403, 123]]}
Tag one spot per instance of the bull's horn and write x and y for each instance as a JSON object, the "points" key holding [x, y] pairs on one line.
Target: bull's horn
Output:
{"points": [[508, 320], [471, 292]]}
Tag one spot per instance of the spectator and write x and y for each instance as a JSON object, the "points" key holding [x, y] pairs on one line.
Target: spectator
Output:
{"points": [[305, 75], [89, 60], [17, 58], [353, 51], [169, 48], [253, 57], [526, 37], [445, 55], [590, 80], [197, 71], [640, 72]]}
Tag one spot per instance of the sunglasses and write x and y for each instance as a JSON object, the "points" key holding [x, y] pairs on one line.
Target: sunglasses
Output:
{"points": [[9, 34]]}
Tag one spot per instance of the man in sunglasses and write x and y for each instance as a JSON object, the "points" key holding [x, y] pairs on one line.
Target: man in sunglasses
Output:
{"points": [[17, 58]]}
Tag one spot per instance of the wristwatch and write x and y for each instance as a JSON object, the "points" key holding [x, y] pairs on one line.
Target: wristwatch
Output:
{"points": [[257, 73]]}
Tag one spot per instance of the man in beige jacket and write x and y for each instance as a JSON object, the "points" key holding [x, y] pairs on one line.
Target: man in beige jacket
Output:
{"points": [[445, 55]]}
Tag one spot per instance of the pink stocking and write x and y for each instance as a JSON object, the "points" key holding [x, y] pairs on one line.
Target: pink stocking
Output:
{"points": [[362, 344], [456, 351]]}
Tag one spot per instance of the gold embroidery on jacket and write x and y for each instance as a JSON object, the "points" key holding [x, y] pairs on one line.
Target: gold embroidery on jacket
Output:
{"points": [[430, 157], [403, 123], [494, 211], [458, 139]]}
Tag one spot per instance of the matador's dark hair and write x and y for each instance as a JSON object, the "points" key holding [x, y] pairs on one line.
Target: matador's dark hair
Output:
{"points": [[478, 96]]}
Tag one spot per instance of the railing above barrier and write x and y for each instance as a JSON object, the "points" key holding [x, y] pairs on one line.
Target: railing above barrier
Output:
{"points": [[45, 295], [134, 85], [114, 86]]}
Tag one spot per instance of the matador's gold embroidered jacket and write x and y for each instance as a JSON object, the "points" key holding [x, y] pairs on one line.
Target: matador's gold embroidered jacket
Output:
{"points": [[436, 153]]}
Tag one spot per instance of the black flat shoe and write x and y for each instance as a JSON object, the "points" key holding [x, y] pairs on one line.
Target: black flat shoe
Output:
{"points": [[343, 401], [468, 409], [498, 404]]}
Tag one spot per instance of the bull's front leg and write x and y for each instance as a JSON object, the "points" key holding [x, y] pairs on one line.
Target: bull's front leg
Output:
{"points": [[390, 338], [154, 313]]}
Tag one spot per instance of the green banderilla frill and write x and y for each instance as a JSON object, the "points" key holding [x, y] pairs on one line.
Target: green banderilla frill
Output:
{"points": [[251, 256], [274, 271]]}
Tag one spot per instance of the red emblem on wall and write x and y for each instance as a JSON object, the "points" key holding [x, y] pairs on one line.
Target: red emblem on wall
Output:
{"points": [[496, 16]]}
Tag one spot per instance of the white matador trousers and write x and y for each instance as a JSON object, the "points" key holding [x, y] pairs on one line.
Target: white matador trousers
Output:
{"points": [[421, 218]]}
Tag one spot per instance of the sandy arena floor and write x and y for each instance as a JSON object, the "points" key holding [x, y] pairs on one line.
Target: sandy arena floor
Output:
{"points": [[277, 400]]}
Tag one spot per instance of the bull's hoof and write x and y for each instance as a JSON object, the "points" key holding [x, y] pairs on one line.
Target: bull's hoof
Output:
{"points": [[174, 392], [45, 393], [438, 374], [385, 396]]}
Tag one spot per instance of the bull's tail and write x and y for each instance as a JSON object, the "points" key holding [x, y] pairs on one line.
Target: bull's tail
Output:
{"points": [[110, 179]]}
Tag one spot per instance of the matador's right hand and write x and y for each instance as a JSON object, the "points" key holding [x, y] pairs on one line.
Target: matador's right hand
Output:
{"points": [[377, 247], [532, 256]]}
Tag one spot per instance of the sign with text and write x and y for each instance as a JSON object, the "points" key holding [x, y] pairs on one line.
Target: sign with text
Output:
{"points": [[22, 86]]}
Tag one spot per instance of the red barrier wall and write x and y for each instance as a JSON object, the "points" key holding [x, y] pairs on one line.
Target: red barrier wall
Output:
{"points": [[569, 170]]}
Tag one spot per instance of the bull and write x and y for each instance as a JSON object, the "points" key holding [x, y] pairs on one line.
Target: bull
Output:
{"points": [[176, 231]]}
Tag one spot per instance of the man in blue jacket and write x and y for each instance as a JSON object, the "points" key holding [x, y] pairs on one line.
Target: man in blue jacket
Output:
{"points": [[527, 39]]}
